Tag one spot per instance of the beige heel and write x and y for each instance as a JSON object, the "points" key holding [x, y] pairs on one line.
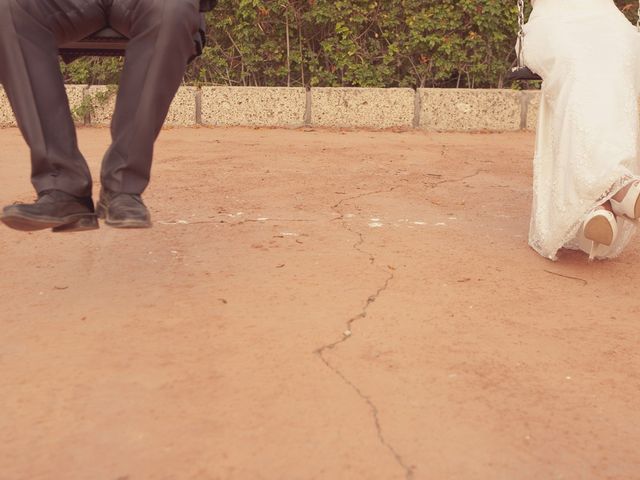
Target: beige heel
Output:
{"points": [[599, 231], [593, 251]]}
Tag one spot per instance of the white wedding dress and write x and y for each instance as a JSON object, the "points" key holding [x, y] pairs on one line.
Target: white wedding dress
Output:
{"points": [[587, 143]]}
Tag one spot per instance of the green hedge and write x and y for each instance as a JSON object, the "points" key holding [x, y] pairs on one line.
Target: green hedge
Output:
{"points": [[360, 43]]}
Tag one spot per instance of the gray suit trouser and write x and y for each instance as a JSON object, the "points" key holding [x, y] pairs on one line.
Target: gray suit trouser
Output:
{"points": [[161, 33]]}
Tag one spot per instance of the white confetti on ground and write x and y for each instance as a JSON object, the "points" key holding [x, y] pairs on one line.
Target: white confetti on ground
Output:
{"points": [[375, 225]]}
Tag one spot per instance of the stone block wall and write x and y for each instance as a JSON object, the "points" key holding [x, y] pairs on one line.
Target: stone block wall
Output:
{"points": [[375, 108]]}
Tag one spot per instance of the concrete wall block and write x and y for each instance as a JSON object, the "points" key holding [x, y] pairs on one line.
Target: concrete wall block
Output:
{"points": [[7, 119], [6, 114], [436, 109], [181, 113], [102, 99], [362, 107], [466, 109], [183, 109], [253, 106], [76, 93], [533, 97]]}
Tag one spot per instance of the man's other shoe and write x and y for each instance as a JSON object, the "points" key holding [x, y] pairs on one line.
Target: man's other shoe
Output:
{"points": [[123, 210], [53, 209]]}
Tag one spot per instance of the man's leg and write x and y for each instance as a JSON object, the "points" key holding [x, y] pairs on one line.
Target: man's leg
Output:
{"points": [[162, 41], [30, 31]]}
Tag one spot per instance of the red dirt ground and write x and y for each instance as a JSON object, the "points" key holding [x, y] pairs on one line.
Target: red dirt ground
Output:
{"points": [[316, 305]]}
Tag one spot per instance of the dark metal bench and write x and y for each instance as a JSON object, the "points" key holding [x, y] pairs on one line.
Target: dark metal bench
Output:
{"points": [[111, 43]]}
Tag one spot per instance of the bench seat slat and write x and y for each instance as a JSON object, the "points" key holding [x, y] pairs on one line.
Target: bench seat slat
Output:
{"points": [[111, 43]]}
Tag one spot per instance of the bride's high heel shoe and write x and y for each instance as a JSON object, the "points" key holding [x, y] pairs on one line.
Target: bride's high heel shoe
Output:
{"points": [[629, 207], [598, 232]]}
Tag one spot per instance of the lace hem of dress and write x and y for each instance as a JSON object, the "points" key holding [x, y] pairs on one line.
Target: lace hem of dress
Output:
{"points": [[570, 242]]}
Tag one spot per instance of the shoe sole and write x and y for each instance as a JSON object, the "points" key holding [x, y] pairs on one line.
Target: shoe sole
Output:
{"points": [[101, 211], [81, 225], [72, 223], [599, 230]]}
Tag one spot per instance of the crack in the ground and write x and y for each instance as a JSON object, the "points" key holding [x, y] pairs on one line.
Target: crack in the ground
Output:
{"points": [[433, 185], [340, 215], [269, 220], [443, 155], [360, 316], [375, 412], [348, 333], [235, 224]]}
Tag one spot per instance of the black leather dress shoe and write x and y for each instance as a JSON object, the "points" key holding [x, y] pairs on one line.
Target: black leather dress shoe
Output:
{"points": [[123, 210], [53, 209]]}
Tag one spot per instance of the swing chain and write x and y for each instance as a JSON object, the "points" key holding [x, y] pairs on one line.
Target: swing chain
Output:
{"points": [[638, 18], [521, 20]]}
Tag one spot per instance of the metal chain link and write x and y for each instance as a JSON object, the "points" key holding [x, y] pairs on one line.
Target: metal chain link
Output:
{"points": [[638, 18], [521, 30]]}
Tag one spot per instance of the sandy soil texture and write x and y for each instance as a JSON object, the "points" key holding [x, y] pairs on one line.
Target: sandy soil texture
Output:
{"points": [[316, 305]]}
